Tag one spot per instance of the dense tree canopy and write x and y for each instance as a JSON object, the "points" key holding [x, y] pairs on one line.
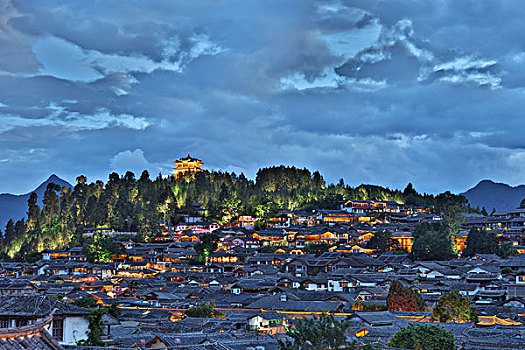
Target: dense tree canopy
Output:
{"points": [[480, 241], [423, 337], [454, 218], [206, 246], [401, 298], [432, 241], [452, 306], [508, 249], [381, 241], [101, 248], [325, 332], [204, 310], [317, 248]]}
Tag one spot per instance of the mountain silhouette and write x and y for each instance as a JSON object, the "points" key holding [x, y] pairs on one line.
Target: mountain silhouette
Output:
{"points": [[490, 194], [15, 206]]}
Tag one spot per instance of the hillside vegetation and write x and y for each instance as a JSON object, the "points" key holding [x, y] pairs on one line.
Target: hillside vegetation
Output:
{"points": [[125, 203]]}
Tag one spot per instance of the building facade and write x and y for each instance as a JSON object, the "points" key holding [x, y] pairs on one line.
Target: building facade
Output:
{"points": [[187, 165]]}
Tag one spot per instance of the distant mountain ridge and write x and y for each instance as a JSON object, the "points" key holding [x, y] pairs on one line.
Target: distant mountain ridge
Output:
{"points": [[490, 194], [15, 206]]}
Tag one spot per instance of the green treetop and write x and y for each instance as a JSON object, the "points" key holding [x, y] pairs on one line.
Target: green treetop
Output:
{"points": [[325, 332], [423, 337], [480, 241], [207, 245], [432, 241], [381, 241], [101, 248], [204, 310], [452, 306]]}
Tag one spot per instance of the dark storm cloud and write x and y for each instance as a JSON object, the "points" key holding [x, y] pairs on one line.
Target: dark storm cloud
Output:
{"points": [[372, 91]]}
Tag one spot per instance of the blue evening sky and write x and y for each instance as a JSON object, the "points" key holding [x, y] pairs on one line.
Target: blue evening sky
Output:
{"points": [[381, 92]]}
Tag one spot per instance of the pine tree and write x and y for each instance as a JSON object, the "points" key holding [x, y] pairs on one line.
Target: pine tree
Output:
{"points": [[9, 231], [409, 190], [33, 211], [51, 201], [144, 176]]}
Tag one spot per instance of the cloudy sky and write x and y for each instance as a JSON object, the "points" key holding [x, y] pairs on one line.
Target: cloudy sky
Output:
{"points": [[381, 92]]}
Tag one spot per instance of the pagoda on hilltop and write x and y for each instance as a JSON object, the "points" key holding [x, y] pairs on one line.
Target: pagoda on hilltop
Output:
{"points": [[187, 165]]}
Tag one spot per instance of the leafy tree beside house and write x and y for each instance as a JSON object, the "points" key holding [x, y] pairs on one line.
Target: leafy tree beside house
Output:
{"points": [[401, 298], [204, 310], [423, 337], [95, 320], [101, 248], [381, 241], [454, 217], [480, 241], [317, 248], [432, 241], [506, 271], [86, 302], [452, 306], [508, 249], [207, 245], [95, 328]]}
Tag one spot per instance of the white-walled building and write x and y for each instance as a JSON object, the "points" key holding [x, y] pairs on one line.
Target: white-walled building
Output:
{"points": [[69, 324]]}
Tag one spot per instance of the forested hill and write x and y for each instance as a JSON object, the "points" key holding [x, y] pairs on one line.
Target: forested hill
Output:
{"points": [[15, 206], [126, 203]]}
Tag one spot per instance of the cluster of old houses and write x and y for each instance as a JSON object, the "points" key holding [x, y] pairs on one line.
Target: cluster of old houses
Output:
{"points": [[346, 230], [260, 294], [261, 280]]}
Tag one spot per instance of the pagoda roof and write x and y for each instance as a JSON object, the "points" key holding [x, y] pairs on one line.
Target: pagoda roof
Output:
{"points": [[188, 158]]}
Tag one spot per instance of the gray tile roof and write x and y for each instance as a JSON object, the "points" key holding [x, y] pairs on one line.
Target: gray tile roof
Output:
{"points": [[36, 306]]}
